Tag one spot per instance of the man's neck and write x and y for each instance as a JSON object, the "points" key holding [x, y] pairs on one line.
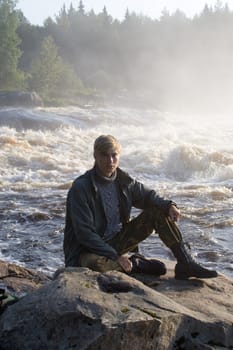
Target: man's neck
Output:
{"points": [[105, 178]]}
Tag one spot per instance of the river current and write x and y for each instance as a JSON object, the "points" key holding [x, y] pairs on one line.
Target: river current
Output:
{"points": [[186, 158]]}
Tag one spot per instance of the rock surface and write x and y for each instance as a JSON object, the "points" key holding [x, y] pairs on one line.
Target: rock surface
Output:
{"points": [[19, 280], [82, 309]]}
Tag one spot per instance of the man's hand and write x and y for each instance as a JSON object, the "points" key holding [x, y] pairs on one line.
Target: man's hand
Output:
{"points": [[174, 213], [125, 263]]}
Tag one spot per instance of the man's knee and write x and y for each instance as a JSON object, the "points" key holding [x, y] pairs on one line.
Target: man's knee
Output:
{"points": [[97, 262], [151, 218], [163, 225]]}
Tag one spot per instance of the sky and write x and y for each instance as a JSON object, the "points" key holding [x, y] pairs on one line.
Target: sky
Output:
{"points": [[36, 11]]}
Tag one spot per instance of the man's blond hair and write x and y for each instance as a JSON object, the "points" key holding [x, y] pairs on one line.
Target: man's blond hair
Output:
{"points": [[104, 143]]}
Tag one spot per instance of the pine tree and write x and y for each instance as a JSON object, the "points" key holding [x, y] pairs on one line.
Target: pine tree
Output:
{"points": [[10, 76], [49, 73], [81, 8], [46, 69]]}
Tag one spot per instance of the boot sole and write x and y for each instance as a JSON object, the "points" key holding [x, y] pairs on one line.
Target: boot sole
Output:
{"points": [[187, 276]]}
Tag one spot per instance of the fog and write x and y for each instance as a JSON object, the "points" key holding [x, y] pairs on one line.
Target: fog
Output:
{"points": [[193, 68], [173, 63]]}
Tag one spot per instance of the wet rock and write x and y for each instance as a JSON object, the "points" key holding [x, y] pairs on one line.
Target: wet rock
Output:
{"points": [[19, 280], [20, 99], [83, 309]]}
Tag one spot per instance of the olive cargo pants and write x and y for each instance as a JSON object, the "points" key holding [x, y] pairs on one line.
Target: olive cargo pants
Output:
{"points": [[134, 232]]}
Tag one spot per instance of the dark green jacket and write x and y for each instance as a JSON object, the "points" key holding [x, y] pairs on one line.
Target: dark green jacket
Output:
{"points": [[85, 218]]}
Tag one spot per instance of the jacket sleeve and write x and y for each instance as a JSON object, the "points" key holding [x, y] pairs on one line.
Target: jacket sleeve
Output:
{"points": [[82, 218], [144, 197]]}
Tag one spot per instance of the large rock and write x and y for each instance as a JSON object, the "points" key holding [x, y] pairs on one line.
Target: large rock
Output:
{"points": [[20, 99], [19, 280], [81, 309]]}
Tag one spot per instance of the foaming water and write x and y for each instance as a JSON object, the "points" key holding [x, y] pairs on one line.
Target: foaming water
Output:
{"points": [[188, 159]]}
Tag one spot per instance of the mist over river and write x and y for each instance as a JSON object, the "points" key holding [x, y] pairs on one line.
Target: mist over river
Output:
{"points": [[188, 159]]}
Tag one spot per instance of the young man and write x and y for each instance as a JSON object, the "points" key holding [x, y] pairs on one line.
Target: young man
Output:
{"points": [[98, 230]]}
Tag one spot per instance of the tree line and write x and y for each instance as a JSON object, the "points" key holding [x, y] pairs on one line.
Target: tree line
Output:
{"points": [[170, 61]]}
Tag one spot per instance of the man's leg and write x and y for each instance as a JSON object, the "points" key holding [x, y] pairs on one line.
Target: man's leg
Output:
{"points": [[139, 228], [186, 265], [127, 240], [98, 263], [153, 219]]}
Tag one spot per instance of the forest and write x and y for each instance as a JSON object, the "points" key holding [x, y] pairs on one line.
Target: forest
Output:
{"points": [[170, 62]]}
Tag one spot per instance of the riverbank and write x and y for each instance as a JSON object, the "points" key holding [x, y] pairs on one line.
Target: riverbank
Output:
{"points": [[78, 310]]}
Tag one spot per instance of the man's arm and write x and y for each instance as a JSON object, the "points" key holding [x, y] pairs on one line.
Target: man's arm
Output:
{"points": [[144, 197]]}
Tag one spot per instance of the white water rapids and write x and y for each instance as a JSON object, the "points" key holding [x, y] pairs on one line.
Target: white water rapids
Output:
{"points": [[188, 159]]}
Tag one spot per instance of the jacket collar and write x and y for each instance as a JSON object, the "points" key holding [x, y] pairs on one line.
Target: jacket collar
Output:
{"points": [[123, 178]]}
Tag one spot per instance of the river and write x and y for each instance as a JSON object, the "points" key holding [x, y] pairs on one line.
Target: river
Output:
{"points": [[186, 158]]}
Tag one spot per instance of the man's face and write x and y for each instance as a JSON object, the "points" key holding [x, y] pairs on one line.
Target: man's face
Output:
{"points": [[107, 161]]}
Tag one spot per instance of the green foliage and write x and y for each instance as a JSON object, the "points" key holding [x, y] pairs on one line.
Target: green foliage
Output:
{"points": [[46, 68], [49, 75], [10, 76], [31, 43], [173, 58]]}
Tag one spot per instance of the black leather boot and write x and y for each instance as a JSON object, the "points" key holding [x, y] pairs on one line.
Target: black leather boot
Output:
{"points": [[186, 265], [147, 265]]}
